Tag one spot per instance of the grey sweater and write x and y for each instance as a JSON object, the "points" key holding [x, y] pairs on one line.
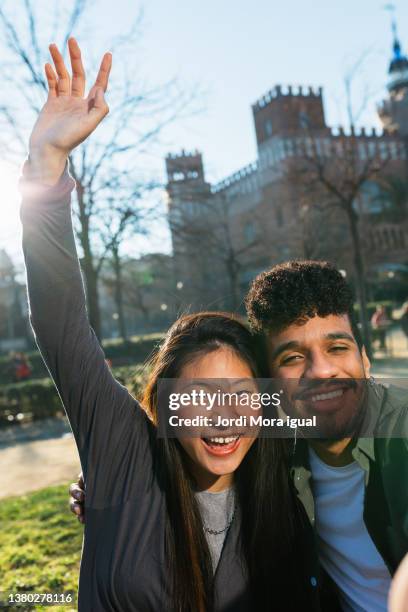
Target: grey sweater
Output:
{"points": [[123, 567]]}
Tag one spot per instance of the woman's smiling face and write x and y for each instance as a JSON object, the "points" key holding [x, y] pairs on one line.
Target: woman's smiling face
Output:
{"points": [[211, 462]]}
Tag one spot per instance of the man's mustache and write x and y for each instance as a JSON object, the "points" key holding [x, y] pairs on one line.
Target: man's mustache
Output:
{"points": [[305, 390]]}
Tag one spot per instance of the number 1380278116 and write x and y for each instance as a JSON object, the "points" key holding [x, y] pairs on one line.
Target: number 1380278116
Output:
{"points": [[20, 598]]}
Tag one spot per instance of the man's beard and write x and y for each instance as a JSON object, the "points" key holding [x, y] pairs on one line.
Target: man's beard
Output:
{"points": [[343, 422]]}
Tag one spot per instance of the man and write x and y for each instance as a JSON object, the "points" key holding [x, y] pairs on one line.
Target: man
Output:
{"points": [[354, 489]]}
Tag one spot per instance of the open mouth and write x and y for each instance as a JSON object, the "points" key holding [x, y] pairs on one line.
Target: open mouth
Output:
{"points": [[324, 392], [319, 397], [221, 445], [328, 398]]}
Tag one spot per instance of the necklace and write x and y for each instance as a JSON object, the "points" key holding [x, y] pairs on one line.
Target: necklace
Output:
{"points": [[218, 532]]}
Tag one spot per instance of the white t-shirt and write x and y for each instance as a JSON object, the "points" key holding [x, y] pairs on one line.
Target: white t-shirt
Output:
{"points": [[346, 550]]}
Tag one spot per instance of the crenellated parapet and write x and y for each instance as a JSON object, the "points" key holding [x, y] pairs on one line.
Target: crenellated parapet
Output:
{"points": [[288, 110], [288, 91], [242, 174], [185, 166]]}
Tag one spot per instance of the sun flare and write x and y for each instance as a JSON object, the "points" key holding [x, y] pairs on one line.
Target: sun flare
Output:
{"points": [[10, 227]]}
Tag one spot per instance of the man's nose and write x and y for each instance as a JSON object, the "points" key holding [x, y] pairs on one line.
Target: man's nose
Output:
{"points": [[319, 365]]}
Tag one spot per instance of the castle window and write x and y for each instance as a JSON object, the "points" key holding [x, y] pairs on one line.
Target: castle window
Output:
{"points": [[372, 149], [362, 150], [383, 150], [304, 120], [249, 232], [268, 127]]}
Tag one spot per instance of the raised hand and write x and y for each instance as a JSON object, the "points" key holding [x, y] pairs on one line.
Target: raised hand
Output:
{"points": [[67, 117]]}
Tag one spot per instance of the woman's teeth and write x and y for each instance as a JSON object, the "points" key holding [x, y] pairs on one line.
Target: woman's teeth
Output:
{"points": [[221, 440], [326, 396]]}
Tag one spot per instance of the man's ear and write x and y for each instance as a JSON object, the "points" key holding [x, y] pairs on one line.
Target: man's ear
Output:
{"points": [[366, 362]]}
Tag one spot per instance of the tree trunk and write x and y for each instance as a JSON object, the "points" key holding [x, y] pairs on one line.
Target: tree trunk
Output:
{"points": [[360, 278], [117, 268]]}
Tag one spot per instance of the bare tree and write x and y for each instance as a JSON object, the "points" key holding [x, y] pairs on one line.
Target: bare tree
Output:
{"points": [[111, 162], [334, 173], [123, 219], [214, 251]]}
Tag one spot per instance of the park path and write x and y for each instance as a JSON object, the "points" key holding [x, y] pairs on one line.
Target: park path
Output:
{"points": [[30, 466], [27, 466]]}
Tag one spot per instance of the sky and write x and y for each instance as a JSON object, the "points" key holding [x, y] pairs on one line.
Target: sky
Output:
{"points": [[232, 52]]}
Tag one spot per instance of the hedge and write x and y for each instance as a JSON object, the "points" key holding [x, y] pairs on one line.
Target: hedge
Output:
{"points": [[33, 399], [119, 352], [38, 399]]}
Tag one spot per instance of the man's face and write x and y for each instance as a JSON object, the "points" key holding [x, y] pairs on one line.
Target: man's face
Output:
{"points": [[321, 369]]}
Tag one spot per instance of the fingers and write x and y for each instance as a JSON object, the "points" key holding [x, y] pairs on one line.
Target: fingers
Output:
{"points": [[78, 510], [76, 492], [104, 70], [78, 72], [51, 80], [63, 85], [75, 507], [76, 500], [81, 483], [98, 107]]}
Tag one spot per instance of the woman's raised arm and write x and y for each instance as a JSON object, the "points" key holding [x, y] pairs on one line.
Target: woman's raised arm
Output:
{"points": [[102, 414]]}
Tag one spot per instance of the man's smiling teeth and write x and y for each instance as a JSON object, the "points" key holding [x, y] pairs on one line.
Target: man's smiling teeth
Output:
{"points": [[223, 440], [326, 396]]}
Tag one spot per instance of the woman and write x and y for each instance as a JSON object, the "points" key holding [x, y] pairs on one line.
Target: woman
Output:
{"points": [[172, 524]]}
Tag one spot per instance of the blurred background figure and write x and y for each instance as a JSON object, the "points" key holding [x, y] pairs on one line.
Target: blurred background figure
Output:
{"points": [[21, 367], [380, 323]]}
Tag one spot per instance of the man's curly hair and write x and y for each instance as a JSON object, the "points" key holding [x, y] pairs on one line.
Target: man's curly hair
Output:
{"points": [[296, 291]]}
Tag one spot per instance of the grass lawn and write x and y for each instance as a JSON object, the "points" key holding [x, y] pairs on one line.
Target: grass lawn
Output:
{"points": [[40, 545]]}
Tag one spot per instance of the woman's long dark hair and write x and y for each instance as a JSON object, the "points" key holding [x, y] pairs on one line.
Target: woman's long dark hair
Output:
{"points": [[262, 484]]}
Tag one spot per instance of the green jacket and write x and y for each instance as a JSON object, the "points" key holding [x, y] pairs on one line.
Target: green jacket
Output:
{"points": [[384, 458]]}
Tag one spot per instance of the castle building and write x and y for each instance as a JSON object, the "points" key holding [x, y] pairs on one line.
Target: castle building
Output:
{"points": [[297, 199]]}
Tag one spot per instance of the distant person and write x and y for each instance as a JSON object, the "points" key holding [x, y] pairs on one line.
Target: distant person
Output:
{"points": [[380, 323], [21, 367]]}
